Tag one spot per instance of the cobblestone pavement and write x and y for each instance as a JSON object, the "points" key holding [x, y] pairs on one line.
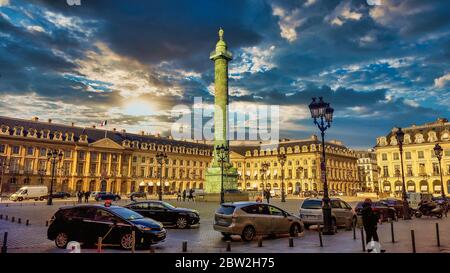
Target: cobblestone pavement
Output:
{"points": [[202, 238]]}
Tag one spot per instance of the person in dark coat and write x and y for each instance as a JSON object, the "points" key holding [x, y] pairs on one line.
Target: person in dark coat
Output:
{"points": [[80, 196], [178, 195], [370, 221], [191, 195], [86, 196], [184, 195], [267, 196]]}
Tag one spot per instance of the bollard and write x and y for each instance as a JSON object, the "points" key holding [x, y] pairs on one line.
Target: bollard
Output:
{"points": [[413, 241], [133, 236], [1, 216], [354, 232], [362, 240], [13, 219], [291, 242], [228, 246], [260, 241], [320, 235], [27, 223], [392, 232], [19, 221], [184, 246], [6, 217], [5, 241], [437, 235], [34, 203], [99, 245]]}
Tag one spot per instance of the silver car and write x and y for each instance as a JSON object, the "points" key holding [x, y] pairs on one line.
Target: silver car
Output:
{"points": [[342, 214], [249, 219]]}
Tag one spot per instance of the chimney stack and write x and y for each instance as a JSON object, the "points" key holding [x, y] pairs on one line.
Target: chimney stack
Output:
{"points": [[93, 126], [49, 120], [73, 124], [142, 133], [114, 129]]}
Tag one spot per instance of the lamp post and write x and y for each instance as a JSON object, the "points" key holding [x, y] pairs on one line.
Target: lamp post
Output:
{"points": [[263, 170], [322, 114], [438, 153], [400, 137], [54, 156], [222, 152], [282, 159], [4, 165], [160, 158]]}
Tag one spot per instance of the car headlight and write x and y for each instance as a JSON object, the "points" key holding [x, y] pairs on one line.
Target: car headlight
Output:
{"points": [[191, 214], [142, 227]]}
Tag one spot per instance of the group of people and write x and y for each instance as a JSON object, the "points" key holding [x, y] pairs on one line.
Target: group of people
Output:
{"points": [[266, 195], [85, 194], [182, 195]]}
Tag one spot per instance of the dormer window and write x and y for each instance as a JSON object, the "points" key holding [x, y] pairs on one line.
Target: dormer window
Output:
{"points": [[304, 148], [135, 144], [313, 147], [432, 136], [407, 139], [126, 143], [83, 138], [419, 138], [393, 140], [18, 131], [445, 135], [32, 132], [144, 146], [4, 129], [289, 150], [45, 134], [57, 135]]}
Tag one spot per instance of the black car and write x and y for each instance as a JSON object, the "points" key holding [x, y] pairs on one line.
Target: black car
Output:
{"points": [[166, 213], [140, 194], [107, 196], [86, 223], [60, 194]]}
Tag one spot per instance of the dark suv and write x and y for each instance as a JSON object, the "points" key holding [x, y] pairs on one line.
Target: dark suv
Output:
{"points": [[86, 223]]}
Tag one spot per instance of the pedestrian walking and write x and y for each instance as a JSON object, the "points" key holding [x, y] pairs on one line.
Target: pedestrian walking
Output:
{"points": [[191, 196], [184, 195], [267, 192], [80, 196], [370, 222], [86, 196], [178, 195]]}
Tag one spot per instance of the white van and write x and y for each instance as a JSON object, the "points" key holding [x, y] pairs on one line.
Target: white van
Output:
{"points": [[30, 192]]}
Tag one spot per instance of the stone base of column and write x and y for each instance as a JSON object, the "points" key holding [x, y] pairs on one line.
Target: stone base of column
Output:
{"points": [[228, 197], [213, 179]]}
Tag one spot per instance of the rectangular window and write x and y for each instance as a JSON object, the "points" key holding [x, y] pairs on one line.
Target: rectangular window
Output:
{"points": [[384, 157], [409, 171], [28, 168], [143, 172], [436, 168], [93, 168], [67, 153], [422, 169], [42, 152], [408, 155], [15, 150], [94, 156], [143, 160], [385, 171], [420, 154], [81, 155], [67, 168], [134, 159], [80, 169], [2, 148], [30, 151], [104, 156], [396, 156]]}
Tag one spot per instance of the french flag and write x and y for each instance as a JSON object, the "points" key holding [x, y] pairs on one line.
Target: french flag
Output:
{"points": [[103, 123]]}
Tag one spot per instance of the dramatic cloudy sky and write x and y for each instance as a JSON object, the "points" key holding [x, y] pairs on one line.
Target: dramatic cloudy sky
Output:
{"points": [[381, 63]]}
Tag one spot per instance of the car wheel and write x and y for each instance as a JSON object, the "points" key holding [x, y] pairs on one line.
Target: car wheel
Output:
{"points": [[61, 240], [126, 241], [41, 198], [295, 230], [36, 199], [20, 199], [418, 214], [181, 222], [248, 233], [439, 215]]}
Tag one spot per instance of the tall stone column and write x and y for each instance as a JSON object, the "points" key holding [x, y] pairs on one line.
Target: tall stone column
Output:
{"points": [[214, 175]]}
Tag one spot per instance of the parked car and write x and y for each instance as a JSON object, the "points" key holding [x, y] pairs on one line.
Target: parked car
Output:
{"points": [[93, 194], [199, 192], [397, 205], [61, 195], [30, 192], [310, 194], [107, 196], [385, 212], [249, 219], [85, 223], [342, 213], [140, 194], [166, 213]]}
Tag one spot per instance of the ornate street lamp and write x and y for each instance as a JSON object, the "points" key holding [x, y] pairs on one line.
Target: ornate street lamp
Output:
{"points": [[54, 156], [160, 158], [438, 153], [400, 138], [322, 114], [263, 171], [282, 159], [222, 152]]}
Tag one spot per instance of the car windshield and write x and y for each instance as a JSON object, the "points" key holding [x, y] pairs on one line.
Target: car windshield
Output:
{"points": [[312, 204], [127, 214], [167, 205]]}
